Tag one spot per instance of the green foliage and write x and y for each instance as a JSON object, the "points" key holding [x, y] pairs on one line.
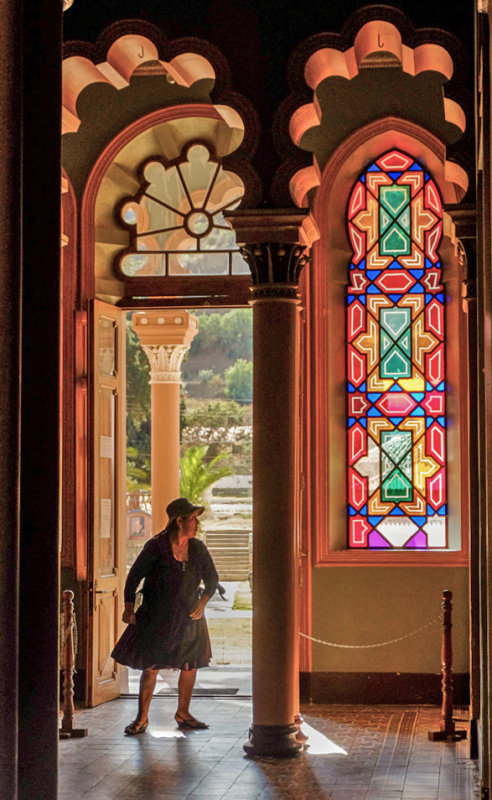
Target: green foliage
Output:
{"points": [[231, 332], [197, 474], [138, 412], [219, 414], [239, 381]]}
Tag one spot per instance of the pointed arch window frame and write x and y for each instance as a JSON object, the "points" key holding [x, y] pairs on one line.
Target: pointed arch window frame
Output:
{"points": [[324, 291]]}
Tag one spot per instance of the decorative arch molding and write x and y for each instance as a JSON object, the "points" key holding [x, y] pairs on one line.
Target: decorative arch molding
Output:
{"points": [[378, 67], [325, 297], [115, 175], [366, 143]]}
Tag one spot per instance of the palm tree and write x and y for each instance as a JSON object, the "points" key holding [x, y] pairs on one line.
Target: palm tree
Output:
{"points": [[198, 474]]}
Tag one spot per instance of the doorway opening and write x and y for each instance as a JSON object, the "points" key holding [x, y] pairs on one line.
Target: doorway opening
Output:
{"points": [[215, 471]]}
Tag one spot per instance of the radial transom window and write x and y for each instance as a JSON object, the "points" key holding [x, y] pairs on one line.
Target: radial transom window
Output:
{"points": [[176, 220], [396, 419]]}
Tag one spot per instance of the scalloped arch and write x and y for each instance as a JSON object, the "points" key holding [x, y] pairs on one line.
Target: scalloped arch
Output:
{"points": [[126, 54]]}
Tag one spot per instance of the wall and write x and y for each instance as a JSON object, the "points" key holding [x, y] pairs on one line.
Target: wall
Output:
{"points": [[368, 605]]}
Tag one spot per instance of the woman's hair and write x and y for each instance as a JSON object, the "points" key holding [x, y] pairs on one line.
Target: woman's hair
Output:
{"points": [[173, 527]]}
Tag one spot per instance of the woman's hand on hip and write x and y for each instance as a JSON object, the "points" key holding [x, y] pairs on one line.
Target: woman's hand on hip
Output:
{"points": [[129, 614], [199, 607]]}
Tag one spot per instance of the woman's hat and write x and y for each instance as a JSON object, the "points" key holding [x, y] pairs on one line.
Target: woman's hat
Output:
{"points": [[181, 507]]}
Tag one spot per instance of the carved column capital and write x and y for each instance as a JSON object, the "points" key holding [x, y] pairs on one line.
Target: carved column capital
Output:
{"points": [[275, 269], [165, 361], [165, 336], [275, 244]]}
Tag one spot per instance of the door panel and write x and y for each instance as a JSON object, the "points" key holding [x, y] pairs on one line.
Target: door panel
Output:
{"points": [[108, 498]]}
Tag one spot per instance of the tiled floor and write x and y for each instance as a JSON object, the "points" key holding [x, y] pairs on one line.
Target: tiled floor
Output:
{"points": [[355, 753]]}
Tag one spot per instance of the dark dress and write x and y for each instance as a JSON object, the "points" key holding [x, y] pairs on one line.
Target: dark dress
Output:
{"points": [[164, 635]]}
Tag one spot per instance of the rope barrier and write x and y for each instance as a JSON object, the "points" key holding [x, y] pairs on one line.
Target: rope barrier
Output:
{"points": [[378, 644]]}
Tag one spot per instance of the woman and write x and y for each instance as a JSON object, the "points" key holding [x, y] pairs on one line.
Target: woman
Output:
{"points": [[169, 628]]}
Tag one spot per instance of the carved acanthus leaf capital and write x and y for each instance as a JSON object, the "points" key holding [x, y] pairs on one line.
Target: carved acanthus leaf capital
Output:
{"points": [[275, 268], [165, 362]]}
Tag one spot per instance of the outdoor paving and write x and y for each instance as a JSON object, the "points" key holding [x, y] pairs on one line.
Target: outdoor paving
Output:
{"points": [[354, 753]]}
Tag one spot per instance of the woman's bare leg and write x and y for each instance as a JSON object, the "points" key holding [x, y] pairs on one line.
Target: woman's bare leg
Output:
{"points": [[186, 683], [147, 686]]}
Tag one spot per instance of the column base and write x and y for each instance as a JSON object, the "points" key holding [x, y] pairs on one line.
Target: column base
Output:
{"points": [[274, 741]]}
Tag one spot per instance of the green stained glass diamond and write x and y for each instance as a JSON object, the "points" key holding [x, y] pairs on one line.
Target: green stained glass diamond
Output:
{"points": [[405, 344], [394, 320], [404, 221], [396, 489], [396, 444], [394, 242], [394, 198], [395, 365], [386, 343]]}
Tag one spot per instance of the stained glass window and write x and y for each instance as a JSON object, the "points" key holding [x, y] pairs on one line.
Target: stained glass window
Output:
{"points": [[396, 421], [176, 220]]}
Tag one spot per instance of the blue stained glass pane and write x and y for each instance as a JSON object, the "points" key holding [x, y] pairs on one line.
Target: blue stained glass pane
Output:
{"points": [[417, 289], [363, 179], [440, 297], [374, 412], [394, 175], [362, 299], [352, 511], [363, 511], [428, 263], [362, 387], [373, 396], [374, 520], [373, 273], [396, 388], [415, 167], [417, 273], [418, 412], [443, 511], [373, 168], [441, 387], [351, 421], [418, 396], [442, 421], [429, 387], [427, 177], [430, 511], [395, 420], [362, 263], [395, 297], [397, 512], [363, 422], [373, 289], [428, 298], [429, 421], [350, 298], [419, 521], [350, 387]]}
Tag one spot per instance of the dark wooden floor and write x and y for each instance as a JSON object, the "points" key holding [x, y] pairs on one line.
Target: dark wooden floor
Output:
{"points": [[354, 753]]}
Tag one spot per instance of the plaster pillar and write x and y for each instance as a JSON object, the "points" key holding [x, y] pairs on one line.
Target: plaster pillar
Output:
{"points": [[275, 256], [165, 336]]}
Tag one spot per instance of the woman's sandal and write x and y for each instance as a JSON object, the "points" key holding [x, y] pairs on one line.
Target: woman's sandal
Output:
{"points": [[134, 728], [189, 722]]}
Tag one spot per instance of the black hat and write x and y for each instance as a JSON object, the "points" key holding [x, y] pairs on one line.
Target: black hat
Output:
{"points": [[181, 507]]}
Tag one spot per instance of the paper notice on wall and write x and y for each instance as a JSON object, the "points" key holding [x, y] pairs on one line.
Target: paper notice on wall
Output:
{"points": [[105, 528], [106, 449]]}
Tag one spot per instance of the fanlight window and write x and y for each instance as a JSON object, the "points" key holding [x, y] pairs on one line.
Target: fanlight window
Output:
{"points": [[176, 220], [396, 360]]}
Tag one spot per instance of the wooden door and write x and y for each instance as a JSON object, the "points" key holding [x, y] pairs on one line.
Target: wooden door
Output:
{"points": [[107, 542]]}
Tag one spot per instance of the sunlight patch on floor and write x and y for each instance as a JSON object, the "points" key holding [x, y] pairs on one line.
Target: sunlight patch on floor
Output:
{"points": [[318, 744]]}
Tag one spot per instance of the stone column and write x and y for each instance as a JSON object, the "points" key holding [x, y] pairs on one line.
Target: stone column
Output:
{"points": [[165, 335], [274, 245]]}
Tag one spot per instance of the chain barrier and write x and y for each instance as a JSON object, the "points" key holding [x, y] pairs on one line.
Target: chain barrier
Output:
{"points": [[378, 644]]}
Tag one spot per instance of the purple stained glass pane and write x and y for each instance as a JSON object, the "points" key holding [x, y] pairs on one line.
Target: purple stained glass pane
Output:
{"points": [[377, 541], [419, 541]]}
